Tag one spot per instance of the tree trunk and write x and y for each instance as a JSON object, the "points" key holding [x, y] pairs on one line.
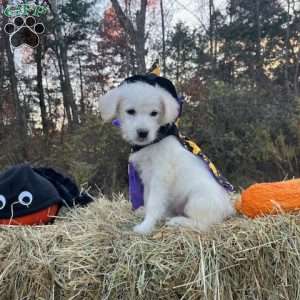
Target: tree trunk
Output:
{"points": [[286, 46], [163, 29], [140, 53], [67, 107], [20, 118], [296, 77], [211, 39], [82, 106], [67, 82], [21, 126], [137, 36], [62, 57], [40, 87], [258, 58], [141, 38], [178, 48]]}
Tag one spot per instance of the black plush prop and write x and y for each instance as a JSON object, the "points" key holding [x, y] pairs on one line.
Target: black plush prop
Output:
{"points": [[26, 191], [66, 187]]}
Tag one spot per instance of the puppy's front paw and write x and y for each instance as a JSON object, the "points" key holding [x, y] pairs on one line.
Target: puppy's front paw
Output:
{"points": [[142, 228]]}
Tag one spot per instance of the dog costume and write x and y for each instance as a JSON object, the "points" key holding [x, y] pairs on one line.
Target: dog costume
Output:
{"points": [[31, 196], [136, 188]]}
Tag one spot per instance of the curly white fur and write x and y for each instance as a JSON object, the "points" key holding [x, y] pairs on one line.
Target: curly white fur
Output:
{"points": [[177, 184]]}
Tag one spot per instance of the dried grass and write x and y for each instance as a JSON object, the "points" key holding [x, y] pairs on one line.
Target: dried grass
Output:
{"points": [[92, 253]]}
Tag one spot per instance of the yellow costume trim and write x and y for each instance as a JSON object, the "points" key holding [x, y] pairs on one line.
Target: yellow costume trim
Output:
{"points": [[195, 148], [155, 69]]}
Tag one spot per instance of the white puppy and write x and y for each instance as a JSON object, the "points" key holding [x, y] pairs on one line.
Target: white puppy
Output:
{"points": [[177, 184]]}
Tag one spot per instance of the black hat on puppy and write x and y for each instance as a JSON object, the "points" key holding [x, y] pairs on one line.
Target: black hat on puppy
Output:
{"points": [[154, 79]]}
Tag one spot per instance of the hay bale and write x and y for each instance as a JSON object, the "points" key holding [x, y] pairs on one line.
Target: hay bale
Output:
{"points": [[93, 254]]}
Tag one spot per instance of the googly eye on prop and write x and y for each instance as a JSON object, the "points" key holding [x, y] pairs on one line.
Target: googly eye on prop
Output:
{"points": [[25, 198], [2, 202]]}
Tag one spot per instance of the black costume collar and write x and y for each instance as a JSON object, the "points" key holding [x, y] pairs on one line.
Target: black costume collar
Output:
{"points": [[164, 131]]}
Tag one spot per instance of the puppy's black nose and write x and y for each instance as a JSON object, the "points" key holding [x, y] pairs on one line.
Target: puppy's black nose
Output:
{"points": [[142, 133]]}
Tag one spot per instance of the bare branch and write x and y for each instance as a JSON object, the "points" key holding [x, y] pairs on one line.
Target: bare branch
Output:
{"points": [[124, 20]]}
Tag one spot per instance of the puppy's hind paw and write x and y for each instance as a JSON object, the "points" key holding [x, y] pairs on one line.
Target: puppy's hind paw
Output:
{"points": [[186, 222], [142, 229], [176, 222]]}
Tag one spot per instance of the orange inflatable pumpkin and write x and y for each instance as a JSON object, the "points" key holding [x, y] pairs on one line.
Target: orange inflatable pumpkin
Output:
{"points": [[270, 198]]}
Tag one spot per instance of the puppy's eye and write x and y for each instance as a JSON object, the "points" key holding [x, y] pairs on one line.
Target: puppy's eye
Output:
{"points": [[154, 114], [131, 112]]}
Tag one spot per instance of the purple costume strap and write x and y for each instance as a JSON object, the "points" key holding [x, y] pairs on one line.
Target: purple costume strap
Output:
{"points": [[136, 188]]}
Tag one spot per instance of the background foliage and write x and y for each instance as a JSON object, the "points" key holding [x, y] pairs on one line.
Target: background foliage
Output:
{"points": [[238, 69]]}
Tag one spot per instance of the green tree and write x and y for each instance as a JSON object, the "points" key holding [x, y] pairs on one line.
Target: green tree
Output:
{"points": [[181, 45]]}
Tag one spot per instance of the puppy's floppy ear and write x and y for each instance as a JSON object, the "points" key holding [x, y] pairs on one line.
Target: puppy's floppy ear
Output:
{"points": [[109, 104], [170, 108]]}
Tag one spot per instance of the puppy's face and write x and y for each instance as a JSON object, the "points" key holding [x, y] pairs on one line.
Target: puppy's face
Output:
{"points": [[142, 110], [140, 119]]}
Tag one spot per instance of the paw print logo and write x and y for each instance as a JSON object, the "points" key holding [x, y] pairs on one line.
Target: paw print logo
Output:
{"points": [[24, 32]]}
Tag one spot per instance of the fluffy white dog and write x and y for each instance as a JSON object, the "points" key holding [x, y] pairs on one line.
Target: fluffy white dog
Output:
{"points": [[177, 184]]}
